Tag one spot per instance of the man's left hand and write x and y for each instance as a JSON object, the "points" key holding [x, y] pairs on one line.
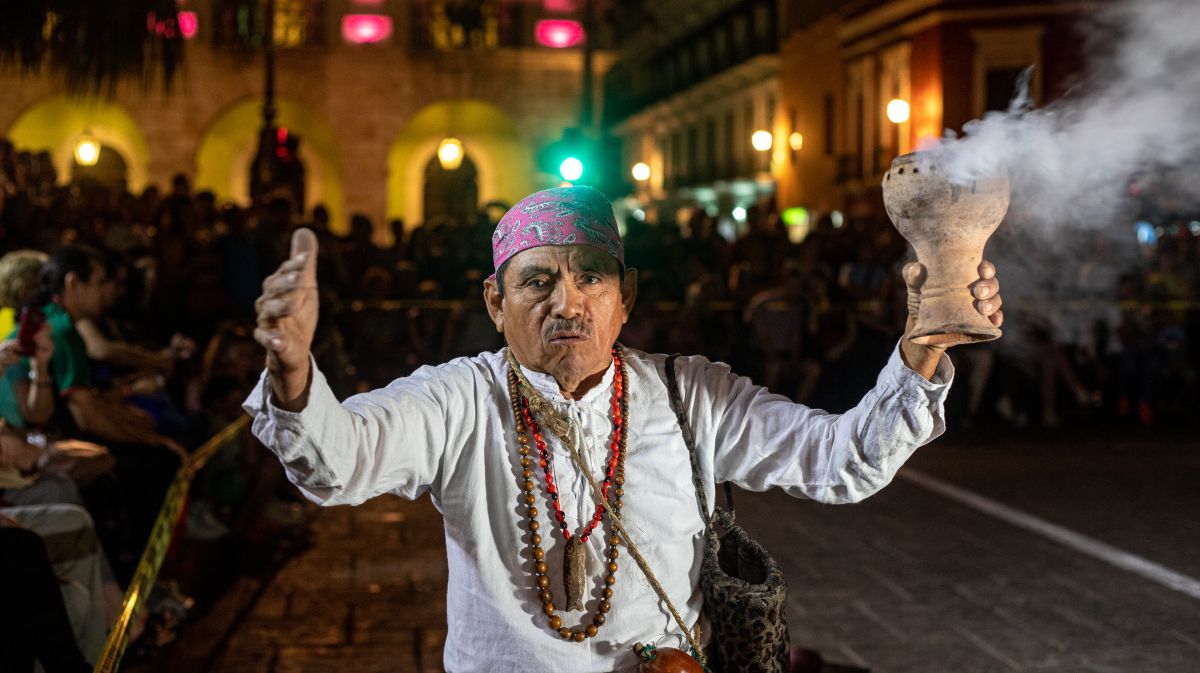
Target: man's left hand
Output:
{"points": [[986, 292]]}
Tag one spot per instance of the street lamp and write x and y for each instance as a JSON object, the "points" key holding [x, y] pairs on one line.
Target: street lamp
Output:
{"points": [[897, 110], [87, 150], [450, 153], [641, 172], [761, 140]]}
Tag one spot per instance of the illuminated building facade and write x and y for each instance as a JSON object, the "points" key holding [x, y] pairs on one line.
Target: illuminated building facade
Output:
{"points": [[844, 63], [370, 88]]}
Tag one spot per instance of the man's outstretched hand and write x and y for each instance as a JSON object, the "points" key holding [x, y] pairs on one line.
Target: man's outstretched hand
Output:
{"points": [[287, 321], [986, 293]]}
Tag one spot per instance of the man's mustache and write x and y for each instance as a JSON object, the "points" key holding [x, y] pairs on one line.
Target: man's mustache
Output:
{"points": [[560, 327]]}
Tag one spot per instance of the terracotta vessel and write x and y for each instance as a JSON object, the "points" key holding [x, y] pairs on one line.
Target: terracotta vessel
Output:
{"points": [[670, 660], [948, 224]]}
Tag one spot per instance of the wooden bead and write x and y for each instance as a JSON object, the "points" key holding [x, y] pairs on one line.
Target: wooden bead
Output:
{"points": [[529, 485], [526, 462], [619, 479], [612, 567], [613, 552], [548, 608], [620, 492], [613, 540], [565, 633], [535, 539], [555, 622], [533, 511], [530, 499], [578, 636], [609, 580], [527, 473], [599, 619], [543, 581], [540, 567], [534, 525], [591, 630], [544, 595], [538, 553], [606, 592], [604, 606], [523, 438]]}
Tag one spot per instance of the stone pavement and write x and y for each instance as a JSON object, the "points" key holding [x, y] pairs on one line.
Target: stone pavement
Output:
{"points": [[910, 582], [905, 582], [368, 597]]}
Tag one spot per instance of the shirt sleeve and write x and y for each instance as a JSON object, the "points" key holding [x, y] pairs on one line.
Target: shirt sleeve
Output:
{"points": [[69, 365], [761, 440], [388, 440]]}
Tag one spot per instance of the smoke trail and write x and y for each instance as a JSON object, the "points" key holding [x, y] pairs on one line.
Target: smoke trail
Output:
{"points": [[1136, 113]]}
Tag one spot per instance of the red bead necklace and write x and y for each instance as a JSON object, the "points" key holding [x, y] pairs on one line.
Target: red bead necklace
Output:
{"points": [[613, 459], [527, 430]]}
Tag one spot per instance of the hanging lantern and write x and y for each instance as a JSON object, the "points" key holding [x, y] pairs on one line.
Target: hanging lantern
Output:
{"points": [[450, 153], [87, 150]]}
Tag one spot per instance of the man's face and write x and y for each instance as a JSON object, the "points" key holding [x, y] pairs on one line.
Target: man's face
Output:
{"points": [[85, 299], [562, 310]]}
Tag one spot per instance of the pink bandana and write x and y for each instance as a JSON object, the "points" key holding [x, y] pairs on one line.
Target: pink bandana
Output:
{"points": [[575, 215]]}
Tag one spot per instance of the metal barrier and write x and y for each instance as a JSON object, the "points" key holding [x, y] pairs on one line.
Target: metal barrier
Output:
{"points": [[159, 542]]}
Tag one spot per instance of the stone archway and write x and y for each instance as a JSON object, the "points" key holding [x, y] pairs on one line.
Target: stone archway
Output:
{"points": [[56, 124], [226, 150], [503, 159]]}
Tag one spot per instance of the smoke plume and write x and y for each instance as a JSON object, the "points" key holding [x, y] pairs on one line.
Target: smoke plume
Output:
{"points": [[1135, 115]]}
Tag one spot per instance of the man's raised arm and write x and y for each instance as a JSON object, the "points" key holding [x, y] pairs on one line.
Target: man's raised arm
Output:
{"points": [[287, 321]]}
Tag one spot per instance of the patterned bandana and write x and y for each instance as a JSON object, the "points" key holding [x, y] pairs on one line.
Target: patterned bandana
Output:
{"points": [[575, 215]]}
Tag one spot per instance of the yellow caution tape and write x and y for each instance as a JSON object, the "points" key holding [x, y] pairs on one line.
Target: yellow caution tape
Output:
{"points": [[159, 542]]}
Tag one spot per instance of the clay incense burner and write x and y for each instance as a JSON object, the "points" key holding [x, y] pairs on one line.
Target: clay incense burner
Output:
{"points": [[948, 224]]}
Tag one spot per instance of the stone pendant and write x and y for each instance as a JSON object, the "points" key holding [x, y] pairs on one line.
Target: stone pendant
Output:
{"points": [[575, 572]]}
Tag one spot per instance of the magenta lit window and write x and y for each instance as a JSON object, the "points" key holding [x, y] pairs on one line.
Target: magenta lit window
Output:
{"points": [[366, 28], [558, 33], [188, 24]]}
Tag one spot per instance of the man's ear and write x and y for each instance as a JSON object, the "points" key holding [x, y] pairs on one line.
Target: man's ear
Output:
{"points": [[628, 292], [70, 280], [494, 301]]}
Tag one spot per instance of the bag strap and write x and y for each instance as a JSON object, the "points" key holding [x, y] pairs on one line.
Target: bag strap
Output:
{"points": [[689, 438]]}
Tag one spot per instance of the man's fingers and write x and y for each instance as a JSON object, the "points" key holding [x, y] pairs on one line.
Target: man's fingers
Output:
{"points": [[304, 247], [987, 270], [282, 281], [982, 289], [270, 339], [273, 309], [997, 318], [989, 306]]}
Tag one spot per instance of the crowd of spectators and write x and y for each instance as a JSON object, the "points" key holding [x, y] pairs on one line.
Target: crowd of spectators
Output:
{"points": [[126, 327]]}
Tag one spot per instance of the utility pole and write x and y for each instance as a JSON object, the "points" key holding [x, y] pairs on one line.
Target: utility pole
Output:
{"points": [[585, 113], [264, 172]]}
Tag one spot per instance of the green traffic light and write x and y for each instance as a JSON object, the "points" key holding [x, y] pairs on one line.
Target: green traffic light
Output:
{"points": [[571, 169]]}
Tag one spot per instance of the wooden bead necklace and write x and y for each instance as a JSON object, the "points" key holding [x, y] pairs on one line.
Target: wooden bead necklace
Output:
{"points": [[573, 576]]}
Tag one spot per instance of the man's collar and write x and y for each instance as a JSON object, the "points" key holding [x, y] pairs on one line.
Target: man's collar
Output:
{"points": [[548, 387]]}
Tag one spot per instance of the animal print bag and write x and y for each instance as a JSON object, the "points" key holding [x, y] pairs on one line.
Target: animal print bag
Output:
{"points": [[745, 595]]}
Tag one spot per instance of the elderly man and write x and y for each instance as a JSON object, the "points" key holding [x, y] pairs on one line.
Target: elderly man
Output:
{"points": [[474, 434]]}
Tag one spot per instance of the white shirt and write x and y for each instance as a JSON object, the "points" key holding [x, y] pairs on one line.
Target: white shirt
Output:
{"points": [[449, 430]]}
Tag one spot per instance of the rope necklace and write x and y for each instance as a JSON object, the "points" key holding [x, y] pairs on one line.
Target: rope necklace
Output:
{"points": [[526, 402]]}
